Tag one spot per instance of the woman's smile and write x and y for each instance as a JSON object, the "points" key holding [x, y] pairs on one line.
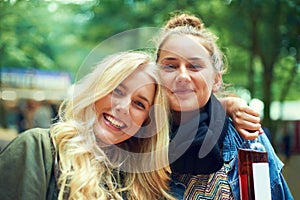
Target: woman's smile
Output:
{"points": [[183, 91], [113, 122], [122, 112]]}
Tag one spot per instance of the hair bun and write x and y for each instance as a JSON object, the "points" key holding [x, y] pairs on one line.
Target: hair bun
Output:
{"points": [[184, 20]]}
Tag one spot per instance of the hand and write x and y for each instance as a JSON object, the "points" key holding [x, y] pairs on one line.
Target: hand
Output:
{"points": [[245, 119]]}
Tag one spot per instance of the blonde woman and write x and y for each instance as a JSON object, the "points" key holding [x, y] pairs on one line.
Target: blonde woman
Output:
{"points": [[110, 143]]}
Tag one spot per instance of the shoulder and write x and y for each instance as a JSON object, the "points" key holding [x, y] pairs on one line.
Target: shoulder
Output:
{"points": [[264, 139], [233, 139], [33, 141], [232, 142], [32, 137], [27, 165], [35, 133]]}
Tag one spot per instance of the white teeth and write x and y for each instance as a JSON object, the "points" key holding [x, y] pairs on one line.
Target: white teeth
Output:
{"points": [[114, 122]]}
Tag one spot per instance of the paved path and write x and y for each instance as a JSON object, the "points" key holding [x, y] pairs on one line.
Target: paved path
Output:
{"points": [[292, 175]]}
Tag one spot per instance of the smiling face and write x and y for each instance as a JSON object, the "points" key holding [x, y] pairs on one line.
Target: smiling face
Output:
{"points": [[187, 73], [122, 112]]}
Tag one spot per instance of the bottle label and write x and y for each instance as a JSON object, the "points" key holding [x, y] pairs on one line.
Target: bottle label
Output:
{"points": [[261, 181], [244, 190]]}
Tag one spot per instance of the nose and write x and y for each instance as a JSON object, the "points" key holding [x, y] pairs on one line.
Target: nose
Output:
{"points": [[121, 106], [183, 75]]}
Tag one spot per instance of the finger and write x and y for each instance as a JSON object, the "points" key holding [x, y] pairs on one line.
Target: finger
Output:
{"points": [[246, 120], [250, 126], [261, 131], [243, 116], [240, 124], [248, 135], [250, 111], [252, 118]]}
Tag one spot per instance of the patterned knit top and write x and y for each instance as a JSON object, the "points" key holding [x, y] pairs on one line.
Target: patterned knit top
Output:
{"points": [[207, 186]]}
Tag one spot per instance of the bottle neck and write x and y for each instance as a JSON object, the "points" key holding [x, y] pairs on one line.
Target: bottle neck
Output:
{"points": [[254, 145]]}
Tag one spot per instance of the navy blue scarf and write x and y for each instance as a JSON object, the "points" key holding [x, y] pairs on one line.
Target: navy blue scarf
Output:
{"points": [[195, 146]]}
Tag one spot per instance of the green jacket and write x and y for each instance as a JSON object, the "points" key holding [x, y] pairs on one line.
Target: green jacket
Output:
{"points": [[26, 167]]}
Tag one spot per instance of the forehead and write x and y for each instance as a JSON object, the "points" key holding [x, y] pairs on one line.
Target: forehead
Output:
{"points": [[138, 79], [186, 46]]}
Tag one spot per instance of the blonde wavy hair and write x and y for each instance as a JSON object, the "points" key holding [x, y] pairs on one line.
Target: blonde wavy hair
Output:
{"points": [[87, 171]]}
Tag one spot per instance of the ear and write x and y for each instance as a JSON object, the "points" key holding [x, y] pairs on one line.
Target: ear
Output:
{"points": [[217, 82]]}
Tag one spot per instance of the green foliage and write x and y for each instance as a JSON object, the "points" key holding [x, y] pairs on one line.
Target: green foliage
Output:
{"points": [[37, 34], [261, 38]]}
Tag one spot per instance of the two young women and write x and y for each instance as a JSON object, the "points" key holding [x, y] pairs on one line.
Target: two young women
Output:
{"points": [[112, 139]]}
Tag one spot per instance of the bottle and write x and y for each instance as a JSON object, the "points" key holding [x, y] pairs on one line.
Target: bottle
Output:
{"points": [[253, 169]]}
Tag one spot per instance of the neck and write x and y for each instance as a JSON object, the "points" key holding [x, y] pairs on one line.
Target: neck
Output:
{"points": [[180, 117]]}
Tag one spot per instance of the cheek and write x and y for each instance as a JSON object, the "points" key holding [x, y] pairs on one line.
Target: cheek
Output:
{"points": [[103, 103], [205, 81], [97, 107], [137, 121], [138, 117], [167, 78]]}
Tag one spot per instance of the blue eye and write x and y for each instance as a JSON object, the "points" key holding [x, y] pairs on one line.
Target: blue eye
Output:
{"points": [[195, 67], [168, 67], [118, 92], [139, 104]]}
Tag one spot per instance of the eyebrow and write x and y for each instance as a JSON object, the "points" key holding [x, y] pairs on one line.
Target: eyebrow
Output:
{"points": [[195, 58], [169, 58], [191, 58], [122, 85]]}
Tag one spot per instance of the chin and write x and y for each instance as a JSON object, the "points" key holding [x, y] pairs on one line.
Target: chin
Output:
{"points": [[185, 105], [185, 108], [189, 109]]}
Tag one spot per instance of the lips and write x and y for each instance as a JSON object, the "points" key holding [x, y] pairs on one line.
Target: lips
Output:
{"points": [[112, 121], [182, 91]]}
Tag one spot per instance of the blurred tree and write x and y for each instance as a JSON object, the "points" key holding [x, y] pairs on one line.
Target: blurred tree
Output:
{"points": [[23, 36], [40, 34], [269, 32], [259, 37]]}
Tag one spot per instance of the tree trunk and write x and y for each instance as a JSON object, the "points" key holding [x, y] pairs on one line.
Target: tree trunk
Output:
{"points": [[251, 83]]}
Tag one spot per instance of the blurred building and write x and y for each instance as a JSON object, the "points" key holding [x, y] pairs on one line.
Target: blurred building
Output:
{"points": [[29, 96], [19, 83]]}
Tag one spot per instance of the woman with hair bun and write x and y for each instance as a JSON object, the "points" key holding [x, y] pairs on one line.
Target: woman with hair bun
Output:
{"points": [[204, 142]]}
